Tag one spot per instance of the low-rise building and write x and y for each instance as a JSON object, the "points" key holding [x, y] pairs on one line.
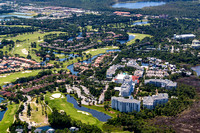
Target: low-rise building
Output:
{"points": [[139, 73], [184, 36], [125, 105], [150, 102], [164, 83], [111, 71]]}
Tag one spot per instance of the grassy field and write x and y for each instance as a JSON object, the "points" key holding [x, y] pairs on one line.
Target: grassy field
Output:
{"points": [[137, 36], [24, 46], [62, 104], [8, 117], [10, 77]]}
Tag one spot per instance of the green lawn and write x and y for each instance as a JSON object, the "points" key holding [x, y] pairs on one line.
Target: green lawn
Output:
{"points": [[10, 77], [137, 36], [111, 112], [62, 104], [8, 117], [94, 52]]}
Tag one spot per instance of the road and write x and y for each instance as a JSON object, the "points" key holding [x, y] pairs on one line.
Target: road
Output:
{"points": [[101, 98]]}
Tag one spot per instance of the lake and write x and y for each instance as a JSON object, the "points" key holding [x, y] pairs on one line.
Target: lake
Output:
{"points": [[2, 112], [99, 115], [197, 70], [137, 5], [15, 14], [131, 37]]}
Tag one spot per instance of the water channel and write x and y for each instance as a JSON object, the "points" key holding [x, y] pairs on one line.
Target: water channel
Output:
{"points": [[99, 115], [2, 112]]}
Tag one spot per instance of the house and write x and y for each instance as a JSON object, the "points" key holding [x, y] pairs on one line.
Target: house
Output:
{"points": [[125, 105], [150, 102]]}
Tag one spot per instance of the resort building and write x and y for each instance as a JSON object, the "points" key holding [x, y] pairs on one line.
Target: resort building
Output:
{"points": [[111, 71], [125, 105], [150, 102], [133, 63], [168, 84], [184, 36], [127, 86]]}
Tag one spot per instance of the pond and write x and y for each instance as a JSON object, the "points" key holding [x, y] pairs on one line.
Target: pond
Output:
{"points": [[197, 70], [44, 128], [99, 115], [140, 23], [2, 112], [137, 5], [131, 37]]}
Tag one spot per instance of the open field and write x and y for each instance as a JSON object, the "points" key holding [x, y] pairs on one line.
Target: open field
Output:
{"points": [[62, 104], [8, 117], [137, 36], [10, 77], [38, 116]]}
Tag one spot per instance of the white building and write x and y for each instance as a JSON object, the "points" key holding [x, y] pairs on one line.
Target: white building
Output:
{"points": [[184, 36], [133, 63], [125, 105], [127, 86], [111, 71], [195, 44], [168, 84], [151, 102]]}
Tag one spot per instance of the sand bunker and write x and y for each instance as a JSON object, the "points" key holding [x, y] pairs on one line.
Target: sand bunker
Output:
{"points": [[83, 112], [24, 51], [57, 95], [27, 72]]}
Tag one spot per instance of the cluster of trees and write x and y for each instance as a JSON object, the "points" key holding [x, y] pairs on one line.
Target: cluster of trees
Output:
{"points": [[4, 30], [62, 120], [5, 42]]}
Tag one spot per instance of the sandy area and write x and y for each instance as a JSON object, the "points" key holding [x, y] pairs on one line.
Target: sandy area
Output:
{"points": [[57, 95], [83, 112], [24, 51], [40, 40], [18, 45], [27, 72]]}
